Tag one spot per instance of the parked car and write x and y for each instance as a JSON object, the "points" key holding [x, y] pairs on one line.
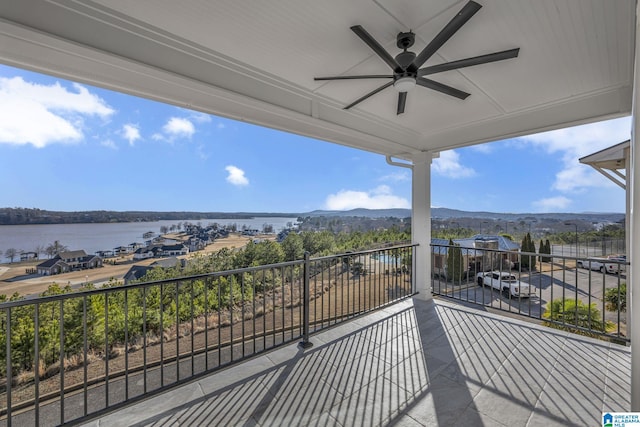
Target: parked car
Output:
{"points": [[613, 264], [505, 282]]}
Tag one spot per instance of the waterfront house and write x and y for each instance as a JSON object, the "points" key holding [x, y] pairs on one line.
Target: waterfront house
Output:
{"points": [[144, 253], [160, 251], [53, 266], [173, 250], [68, 261], [105, 254], [196, 244]]}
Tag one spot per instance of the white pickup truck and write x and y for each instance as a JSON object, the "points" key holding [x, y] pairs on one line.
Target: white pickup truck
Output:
{"points": [[611, 265], [506, 283]]}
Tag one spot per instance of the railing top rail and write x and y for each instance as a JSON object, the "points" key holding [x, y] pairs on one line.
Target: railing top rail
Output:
{"points": [[368, 251], [514, 251], [131, 286]]}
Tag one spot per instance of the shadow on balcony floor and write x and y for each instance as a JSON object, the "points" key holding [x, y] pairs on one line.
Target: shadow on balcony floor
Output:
{"points": [[414, 363]]}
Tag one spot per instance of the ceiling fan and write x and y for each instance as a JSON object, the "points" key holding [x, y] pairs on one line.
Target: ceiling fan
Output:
{"points": [[406, 65]]}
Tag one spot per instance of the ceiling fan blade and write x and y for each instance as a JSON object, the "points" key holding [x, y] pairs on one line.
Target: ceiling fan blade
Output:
{"points": [[377, 47], [402, 100], [448, 90], [366, 76], [468, 62], [373, 92], [447, 32]]}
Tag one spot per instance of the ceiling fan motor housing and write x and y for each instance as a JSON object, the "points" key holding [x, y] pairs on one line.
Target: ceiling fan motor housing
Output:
{"points": [[405, 59]]}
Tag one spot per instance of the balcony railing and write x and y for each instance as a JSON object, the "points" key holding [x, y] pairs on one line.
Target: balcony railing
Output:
{"points": [[575, 294], [71, 356]]}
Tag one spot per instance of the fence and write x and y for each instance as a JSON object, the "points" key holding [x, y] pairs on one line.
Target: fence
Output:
{"points": [[576, 294], [70, 356], [604, 247]]}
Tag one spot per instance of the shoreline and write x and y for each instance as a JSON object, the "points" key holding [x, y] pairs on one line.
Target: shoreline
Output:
{"points": [[14, 279]]}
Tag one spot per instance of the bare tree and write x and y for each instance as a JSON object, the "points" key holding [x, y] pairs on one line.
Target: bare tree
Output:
{"points": [[40, 249], [55, 248], [11, 253]]}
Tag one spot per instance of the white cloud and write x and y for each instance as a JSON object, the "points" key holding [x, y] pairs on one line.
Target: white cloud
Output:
{"points": [[200, 117], [571, 144], [178, 127], [109, 144], [379, 198], [448, 164], [482, 148], [131, 133], [36, 114], [236, 176], [552, 204], [221, 125], [399, 176]]}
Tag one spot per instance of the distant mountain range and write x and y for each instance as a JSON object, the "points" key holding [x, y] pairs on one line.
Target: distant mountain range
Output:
{"points": [[445, 213], [21, 216]]}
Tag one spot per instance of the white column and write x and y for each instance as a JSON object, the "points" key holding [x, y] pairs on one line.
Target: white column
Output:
{"points": [[633, 181], [627, 224], [421, 222]]}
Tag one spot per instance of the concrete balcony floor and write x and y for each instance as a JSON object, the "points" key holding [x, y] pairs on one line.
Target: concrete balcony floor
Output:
{"points": [[415, 363]]}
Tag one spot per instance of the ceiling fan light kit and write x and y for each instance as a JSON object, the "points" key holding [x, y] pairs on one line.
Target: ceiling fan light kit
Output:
{"points": [[406, 65], [404, 84]]}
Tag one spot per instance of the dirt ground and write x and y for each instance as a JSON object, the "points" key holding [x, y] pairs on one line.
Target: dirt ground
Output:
{"points": [[13, 277]]}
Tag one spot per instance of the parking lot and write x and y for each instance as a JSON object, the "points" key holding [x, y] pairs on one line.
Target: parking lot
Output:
{"points": [[550, 284]]}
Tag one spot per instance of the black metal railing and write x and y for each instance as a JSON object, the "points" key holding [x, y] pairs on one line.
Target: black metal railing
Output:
{"points": [[70, 356], [582, 295]]}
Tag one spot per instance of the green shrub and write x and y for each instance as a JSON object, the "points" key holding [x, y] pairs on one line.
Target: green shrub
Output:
{"points": [[616, 298], [571, 312]]}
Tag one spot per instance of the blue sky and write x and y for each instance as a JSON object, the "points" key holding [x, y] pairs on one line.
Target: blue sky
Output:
{"points": [[66, 146]]}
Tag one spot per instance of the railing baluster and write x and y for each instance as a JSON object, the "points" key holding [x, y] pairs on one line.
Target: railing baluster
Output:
{"points": [[126, 344], [8, 368], [161, 334], [283, 299], [36, 368], [177, 331], [273, 307], [62, 357], [206, 324], [85, 351], [253, 292], [242, 313], [219, 323], [144, 339], [348, 286], [264, 309], [193, 336], [305, 329], [106, 349]]}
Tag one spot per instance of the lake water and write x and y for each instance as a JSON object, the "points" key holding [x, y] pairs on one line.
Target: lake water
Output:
{"points": [[96, 237]]}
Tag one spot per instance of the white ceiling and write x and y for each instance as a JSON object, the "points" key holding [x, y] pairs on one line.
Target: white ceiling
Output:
{"points": [[256, 60]]}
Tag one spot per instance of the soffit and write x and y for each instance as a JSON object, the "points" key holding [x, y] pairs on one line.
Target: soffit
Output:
{"points": [[255, 61]]}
